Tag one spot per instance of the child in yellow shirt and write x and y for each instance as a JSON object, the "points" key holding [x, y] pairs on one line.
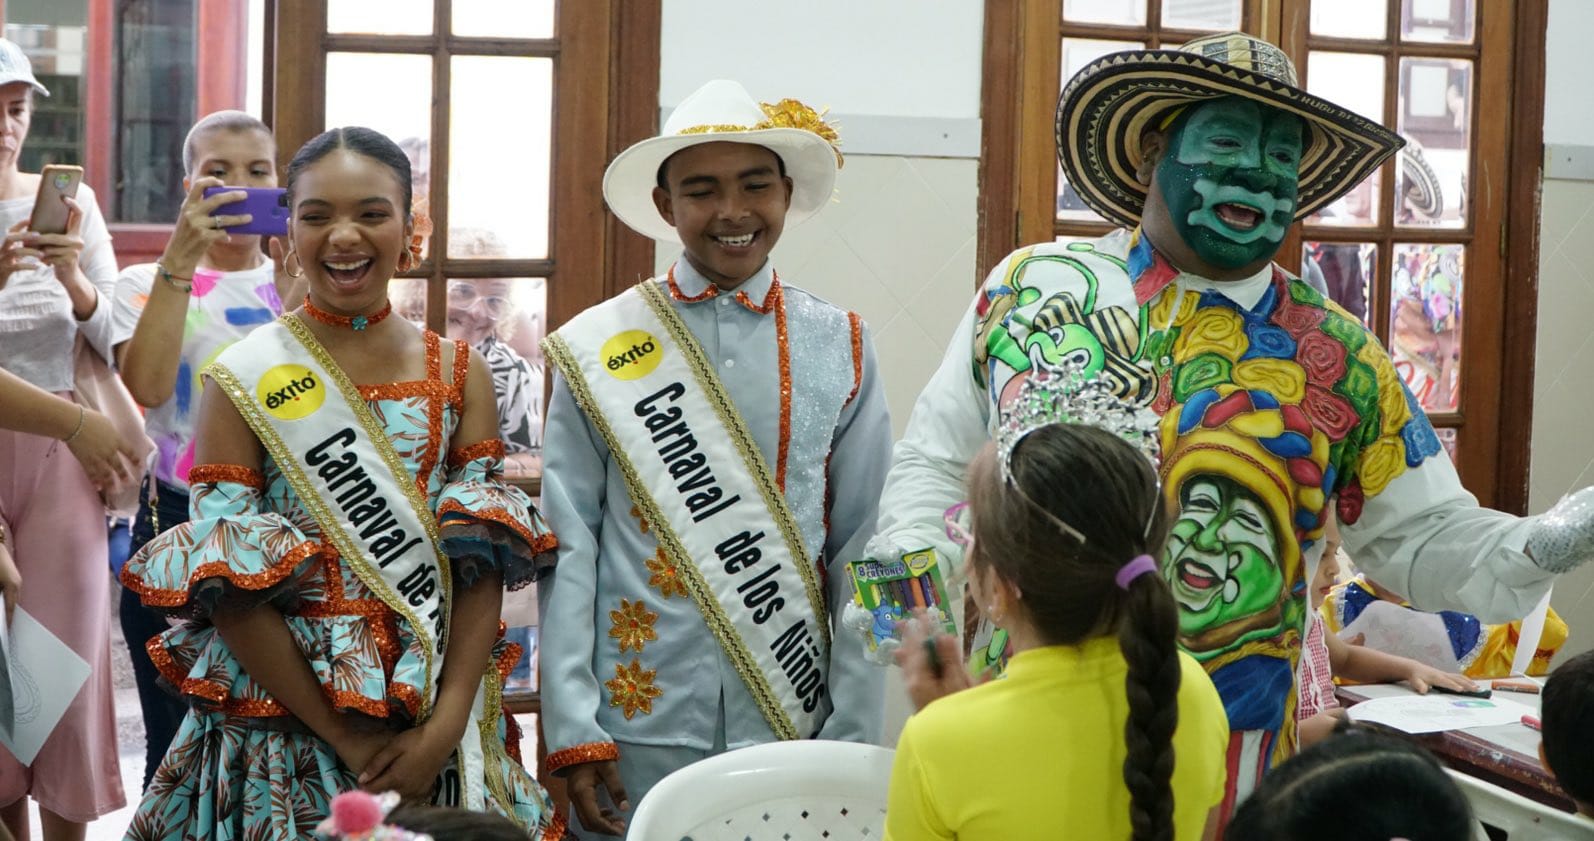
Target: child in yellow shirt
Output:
{"points": [[1100, 727]]}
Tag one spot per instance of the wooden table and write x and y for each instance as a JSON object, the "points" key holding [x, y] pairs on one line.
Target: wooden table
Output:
{"points": [[1506, 755]]}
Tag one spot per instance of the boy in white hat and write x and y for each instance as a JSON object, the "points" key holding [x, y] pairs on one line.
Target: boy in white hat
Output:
{"points": [[715, 449]]}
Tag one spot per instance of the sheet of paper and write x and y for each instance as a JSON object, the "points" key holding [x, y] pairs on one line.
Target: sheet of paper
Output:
{"points": [[1433, 713], [1532, 634], [1404, 632], [45, 676]]}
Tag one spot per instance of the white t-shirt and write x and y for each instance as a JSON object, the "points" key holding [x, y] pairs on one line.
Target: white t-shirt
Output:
{"points": [[223, 308], [37, 327]]}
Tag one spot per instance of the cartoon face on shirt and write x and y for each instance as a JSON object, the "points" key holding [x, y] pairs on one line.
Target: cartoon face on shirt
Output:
{"points": [[1220, 564], [1231, 179]]}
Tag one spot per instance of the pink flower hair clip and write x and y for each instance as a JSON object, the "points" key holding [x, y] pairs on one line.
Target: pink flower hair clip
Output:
{"points": [[358, 815]]}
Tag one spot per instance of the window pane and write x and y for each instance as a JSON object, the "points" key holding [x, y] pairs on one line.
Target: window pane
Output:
{"points": [[504, 318], [1436, 120], [1425, 321], [1345, 270], [1355, 81], [1351, 18], [506, 196], [1437, 20], [1447, 437], [1078, 52], [399, 107], [1214, 15], [389, 17], [1131, 12], [156, 100], [56, 133], [497, 19]]}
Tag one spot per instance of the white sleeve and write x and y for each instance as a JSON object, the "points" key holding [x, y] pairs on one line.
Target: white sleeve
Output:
{"points": [[132, 292], [98, 262], [945, 432]]}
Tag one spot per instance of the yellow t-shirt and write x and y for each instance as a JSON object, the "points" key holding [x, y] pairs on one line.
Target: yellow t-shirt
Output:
{"points": [[1040, 753]]}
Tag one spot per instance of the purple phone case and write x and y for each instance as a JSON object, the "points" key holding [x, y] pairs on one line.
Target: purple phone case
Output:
{"points": [[268, 206]]}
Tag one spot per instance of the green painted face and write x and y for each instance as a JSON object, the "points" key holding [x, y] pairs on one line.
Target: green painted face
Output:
{"points": [[1220, 562], [1230, 180]]}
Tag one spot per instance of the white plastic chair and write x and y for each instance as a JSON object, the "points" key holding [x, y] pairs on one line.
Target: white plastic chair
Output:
{"points": [[1520, 818], [787, 791]]}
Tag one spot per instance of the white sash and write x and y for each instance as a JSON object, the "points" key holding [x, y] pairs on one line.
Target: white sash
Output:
{"points": [[704, 487], [345, 471]]}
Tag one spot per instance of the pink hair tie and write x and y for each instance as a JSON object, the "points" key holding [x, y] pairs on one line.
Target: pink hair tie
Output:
{"points": [[358, 815], [1134, 569]]}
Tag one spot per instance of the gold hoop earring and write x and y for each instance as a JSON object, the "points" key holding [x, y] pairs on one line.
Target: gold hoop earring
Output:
{"points": [[294, 257]]}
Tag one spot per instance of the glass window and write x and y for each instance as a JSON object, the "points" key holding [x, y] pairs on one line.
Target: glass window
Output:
{"points": [[1436, 120], [388, 17], [1345, 270], [155, 102], [1351, 19], [497, 19], [400, 106], [1425, 321], [1209, 15], [1448, 21], [499, 158], [1122, 12]]}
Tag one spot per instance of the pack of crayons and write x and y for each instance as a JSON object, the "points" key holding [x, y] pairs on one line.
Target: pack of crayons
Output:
{"points": [[891, 590]]}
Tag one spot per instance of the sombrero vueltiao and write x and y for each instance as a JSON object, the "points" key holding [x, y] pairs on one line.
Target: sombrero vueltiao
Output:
{"points": [[1106, 107], [1419, 184]]}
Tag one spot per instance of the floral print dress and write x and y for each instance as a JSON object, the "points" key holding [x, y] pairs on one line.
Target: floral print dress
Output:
{"points": [[242, 767]]}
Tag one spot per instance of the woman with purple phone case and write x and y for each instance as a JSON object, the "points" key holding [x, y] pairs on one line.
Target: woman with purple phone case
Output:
{"points": [[210, 288]]}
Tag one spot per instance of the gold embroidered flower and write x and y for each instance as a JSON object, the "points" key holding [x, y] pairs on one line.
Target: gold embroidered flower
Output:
{"points": [[665, 576], [633, 625], [641, 523], [632, 689], [789, 113]]}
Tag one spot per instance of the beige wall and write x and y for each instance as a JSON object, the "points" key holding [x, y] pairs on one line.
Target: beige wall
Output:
{"points": [[1563, 385]]}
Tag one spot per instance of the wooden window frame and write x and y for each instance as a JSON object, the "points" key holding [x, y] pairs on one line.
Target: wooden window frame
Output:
{"points": [[1022, 64]]}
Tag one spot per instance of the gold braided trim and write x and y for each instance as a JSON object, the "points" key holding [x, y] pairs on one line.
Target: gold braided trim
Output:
{"points": [[720, 625], [743, 441], [494, 756]]}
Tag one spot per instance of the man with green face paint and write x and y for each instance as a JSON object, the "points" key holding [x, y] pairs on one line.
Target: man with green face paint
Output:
{"points": [[1275, 404]]}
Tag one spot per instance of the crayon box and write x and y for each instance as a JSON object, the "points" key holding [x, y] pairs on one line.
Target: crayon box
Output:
{"points": [[891, 590]]}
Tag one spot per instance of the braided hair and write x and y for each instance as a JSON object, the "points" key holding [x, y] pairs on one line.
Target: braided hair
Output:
{"points": [[1102, 487]]}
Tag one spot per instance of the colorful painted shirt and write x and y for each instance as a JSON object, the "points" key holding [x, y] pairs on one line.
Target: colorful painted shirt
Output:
{"points": [[1275, 404], [223, 308], [1481, 650]]}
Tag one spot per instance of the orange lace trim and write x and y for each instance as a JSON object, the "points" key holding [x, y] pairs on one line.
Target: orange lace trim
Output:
{"points": [[783, 353], [575, 755], [507, 659], [857, 355], [675, 290], [201, 474], [489, 448], [461, 370], [556, 825], [545, 542], [272, 575], [216, 693]]}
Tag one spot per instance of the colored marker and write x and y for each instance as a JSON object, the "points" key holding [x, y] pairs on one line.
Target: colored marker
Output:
{"points": [[1531, 722], [1525, 687]]}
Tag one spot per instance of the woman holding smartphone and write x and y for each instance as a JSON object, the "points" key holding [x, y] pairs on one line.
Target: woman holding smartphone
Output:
{"points": [[209, 289], [53, 287]]}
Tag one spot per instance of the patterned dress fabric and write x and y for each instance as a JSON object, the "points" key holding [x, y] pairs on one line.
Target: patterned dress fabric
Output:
{"points": [[242, 767]]}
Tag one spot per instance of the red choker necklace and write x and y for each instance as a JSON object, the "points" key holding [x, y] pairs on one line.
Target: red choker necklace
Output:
{"points": [[358, 322]]}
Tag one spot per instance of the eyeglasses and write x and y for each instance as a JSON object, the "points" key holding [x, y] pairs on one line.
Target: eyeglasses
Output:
{"points": [[464, 295]]}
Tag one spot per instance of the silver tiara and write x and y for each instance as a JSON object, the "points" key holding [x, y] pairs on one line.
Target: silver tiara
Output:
{"points": [[1064, 394]]}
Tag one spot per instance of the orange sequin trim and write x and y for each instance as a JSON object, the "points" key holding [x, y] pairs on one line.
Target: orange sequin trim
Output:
{"points": [[407, 695], [429, 389], [461, 370], [216, 693], [556, 825], [576, 755], [767, 307], [545, 542], [507, 660], [272, 575], [783, 354], [857, 355], [201, 474], [491, 448]]}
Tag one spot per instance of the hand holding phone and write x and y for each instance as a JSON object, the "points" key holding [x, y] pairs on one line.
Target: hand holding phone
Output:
{"points": [[266, 207], [51, 214]]}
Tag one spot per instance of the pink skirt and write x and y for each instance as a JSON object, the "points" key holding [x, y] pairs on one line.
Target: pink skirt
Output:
{"points": [[55, 525]]}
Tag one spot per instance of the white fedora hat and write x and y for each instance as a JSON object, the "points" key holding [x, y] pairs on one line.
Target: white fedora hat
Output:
{"points": [[723, 111]]}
